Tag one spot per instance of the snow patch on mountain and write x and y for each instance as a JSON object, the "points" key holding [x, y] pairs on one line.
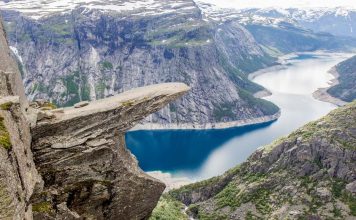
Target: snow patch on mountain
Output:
{"points": [[39, 9]]}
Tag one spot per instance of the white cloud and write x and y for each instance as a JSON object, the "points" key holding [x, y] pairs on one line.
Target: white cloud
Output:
{"points": [[282, 3]]}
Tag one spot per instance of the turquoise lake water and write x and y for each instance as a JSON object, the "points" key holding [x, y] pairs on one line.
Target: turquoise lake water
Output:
{"points": [[200, 154]]}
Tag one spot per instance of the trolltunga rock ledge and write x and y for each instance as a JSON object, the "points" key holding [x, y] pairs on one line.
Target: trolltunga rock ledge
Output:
{"points": [[82, 157]]}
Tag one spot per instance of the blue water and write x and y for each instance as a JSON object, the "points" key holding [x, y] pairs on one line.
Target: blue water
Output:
{"points": [[200, 154], [181, 149]]}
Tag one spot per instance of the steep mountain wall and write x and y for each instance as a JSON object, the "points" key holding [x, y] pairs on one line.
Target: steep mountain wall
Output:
{"points": [[346, 77], [19, 178], [91, 53]]}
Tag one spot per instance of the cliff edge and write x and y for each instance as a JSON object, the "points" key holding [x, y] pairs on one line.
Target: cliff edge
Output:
{"points": [[72, 163]]}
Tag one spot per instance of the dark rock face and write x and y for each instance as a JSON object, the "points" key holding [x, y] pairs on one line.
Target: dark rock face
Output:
{"points": [[346, 88], [91, 54], [72, 163], [310, 174]]}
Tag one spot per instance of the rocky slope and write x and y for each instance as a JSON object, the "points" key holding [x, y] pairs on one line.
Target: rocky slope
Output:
{"points": [[310, 174], [72, 163], [78, 51], [346, 76]]}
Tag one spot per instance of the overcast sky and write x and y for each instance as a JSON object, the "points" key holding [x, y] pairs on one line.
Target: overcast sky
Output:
{"points": [[282, 3]]}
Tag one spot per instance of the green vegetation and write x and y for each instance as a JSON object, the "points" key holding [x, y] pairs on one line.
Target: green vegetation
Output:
{"points": [[250, 216], [128, 103], [337, 212], [186, 34], [43, 207], [168, 209], [106, 65], [224, 111], [100, 88], [6, 106], [211, 216], [205, 183], [77, 88], [62, 29], [228, 196], [172, 107], [337, 187], [318, 193], [259, 197], [339, 192], [49, 106], [6, 206], [268, 108], [351, 202], [4, 135]]}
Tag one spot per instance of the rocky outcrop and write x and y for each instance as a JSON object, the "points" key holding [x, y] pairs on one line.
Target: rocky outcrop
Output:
{"points": [[82, 156], [107, 48], [72, 163], [345, 88], [19, 178], [310, 174], [341, 89]]}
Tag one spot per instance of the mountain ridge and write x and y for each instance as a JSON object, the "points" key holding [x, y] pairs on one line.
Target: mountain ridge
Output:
{"points": [[103, 53]]}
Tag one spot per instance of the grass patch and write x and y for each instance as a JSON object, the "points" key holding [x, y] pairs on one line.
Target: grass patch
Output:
{"points": [[228, 196], [6, 106], [168, 209], [43, 207], [4, 136]]}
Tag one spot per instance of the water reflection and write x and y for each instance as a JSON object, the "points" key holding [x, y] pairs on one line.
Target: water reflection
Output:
{"points": [[181, 149]]}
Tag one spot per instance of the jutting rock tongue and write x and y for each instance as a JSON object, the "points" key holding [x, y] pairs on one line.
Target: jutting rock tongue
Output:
{"points": [[73, 163], [81, 154]]}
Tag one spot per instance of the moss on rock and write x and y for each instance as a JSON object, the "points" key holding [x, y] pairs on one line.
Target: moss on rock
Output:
{"points": [[6, 106], [43, 207], [4, 135]]}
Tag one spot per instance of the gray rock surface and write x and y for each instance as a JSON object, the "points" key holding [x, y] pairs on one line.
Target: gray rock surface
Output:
{"points": [[90, 53], [19, 178], [72, 163], [82, 156]]}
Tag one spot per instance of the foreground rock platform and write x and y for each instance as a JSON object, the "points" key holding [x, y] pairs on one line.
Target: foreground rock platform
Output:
{"points": [[82, 156]]}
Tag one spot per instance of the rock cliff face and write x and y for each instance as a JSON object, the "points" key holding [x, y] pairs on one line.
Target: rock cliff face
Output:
{"points": [[95, 50], [346, 76], [72, 163], [311, 174]]}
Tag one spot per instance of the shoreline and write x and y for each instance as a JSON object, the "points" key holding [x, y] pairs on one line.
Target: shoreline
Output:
{"points": [[322, 93], [169, 180], [207, 126]]}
